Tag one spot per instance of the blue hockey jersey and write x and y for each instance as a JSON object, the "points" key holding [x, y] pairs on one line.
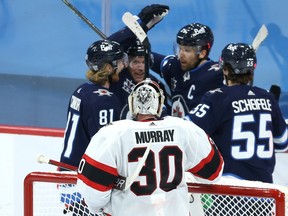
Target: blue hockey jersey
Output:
{"points": [[247, 125], [187, 88], [124, 86], [91, 107]]}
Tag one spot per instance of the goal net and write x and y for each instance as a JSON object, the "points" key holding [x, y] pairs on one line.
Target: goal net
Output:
{"points": [[54, 193]]}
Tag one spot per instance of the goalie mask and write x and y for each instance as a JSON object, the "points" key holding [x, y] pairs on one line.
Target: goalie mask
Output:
{"points": [[146, 98], [102, 52], [240, 56]]}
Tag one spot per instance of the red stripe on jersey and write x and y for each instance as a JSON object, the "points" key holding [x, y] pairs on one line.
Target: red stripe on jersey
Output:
{"points": [[97, 175], [211, 166], [104, 167], [203, 162], [93, 184], [217, 173]]}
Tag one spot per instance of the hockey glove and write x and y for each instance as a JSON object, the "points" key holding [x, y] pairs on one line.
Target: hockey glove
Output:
{"points": [[152, 14]]}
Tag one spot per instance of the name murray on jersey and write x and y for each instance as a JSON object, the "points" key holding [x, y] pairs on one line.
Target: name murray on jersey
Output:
{"points": [[154, 136]]}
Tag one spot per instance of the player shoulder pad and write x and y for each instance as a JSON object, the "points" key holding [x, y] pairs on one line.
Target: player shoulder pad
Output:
{"points": [[215, 94], [215, 67], [166, 63], [217, 90]]}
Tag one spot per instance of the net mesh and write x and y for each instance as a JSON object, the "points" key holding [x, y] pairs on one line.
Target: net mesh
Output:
{"points": [[237, 205], [227, 197], [57, 199]]}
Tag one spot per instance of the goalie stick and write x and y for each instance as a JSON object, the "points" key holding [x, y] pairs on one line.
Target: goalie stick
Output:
{"points": [[85, 19], [130, 179], [121, 183], [46, 160]]}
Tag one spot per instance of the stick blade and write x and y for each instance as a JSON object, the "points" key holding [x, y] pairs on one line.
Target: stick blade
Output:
{"points": [[131, 22], [260, 37]]}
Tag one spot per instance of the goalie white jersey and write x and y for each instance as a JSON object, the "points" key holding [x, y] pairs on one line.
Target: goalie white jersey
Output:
{"points": [[160, 188]]}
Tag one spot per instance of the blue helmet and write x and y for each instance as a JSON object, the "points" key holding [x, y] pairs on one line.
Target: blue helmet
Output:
{"points": [[195, 34], [101, 52], [136, 49], [240, 56]]}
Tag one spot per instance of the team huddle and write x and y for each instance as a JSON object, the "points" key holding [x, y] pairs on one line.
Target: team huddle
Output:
{"points": [[124, 124]]}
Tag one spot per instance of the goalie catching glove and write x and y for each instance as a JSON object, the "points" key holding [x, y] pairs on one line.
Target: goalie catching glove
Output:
{"points": [[152, 14]]}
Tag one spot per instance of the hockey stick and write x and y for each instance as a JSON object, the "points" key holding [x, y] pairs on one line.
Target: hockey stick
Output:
{"points": [[131, 22], [120, 184], [85, 19], [44, 159], [130, 179], [260, 37]]}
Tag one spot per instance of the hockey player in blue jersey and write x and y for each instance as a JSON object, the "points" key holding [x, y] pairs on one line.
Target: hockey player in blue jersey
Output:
{"points": [[133, 74], [245, 121], [189, 73], [136, 72], [149, 16], [93, 105]]}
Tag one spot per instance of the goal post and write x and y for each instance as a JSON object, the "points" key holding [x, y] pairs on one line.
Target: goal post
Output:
{"points": [[38, 182], [43, 195]]}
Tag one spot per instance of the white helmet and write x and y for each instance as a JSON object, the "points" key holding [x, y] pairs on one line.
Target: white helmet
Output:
{"points": [[146, 98]]}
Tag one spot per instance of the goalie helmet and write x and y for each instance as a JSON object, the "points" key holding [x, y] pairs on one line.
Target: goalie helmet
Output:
{"points": [[146, 98], [197, 35], [240, 56], [101, 52]]}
